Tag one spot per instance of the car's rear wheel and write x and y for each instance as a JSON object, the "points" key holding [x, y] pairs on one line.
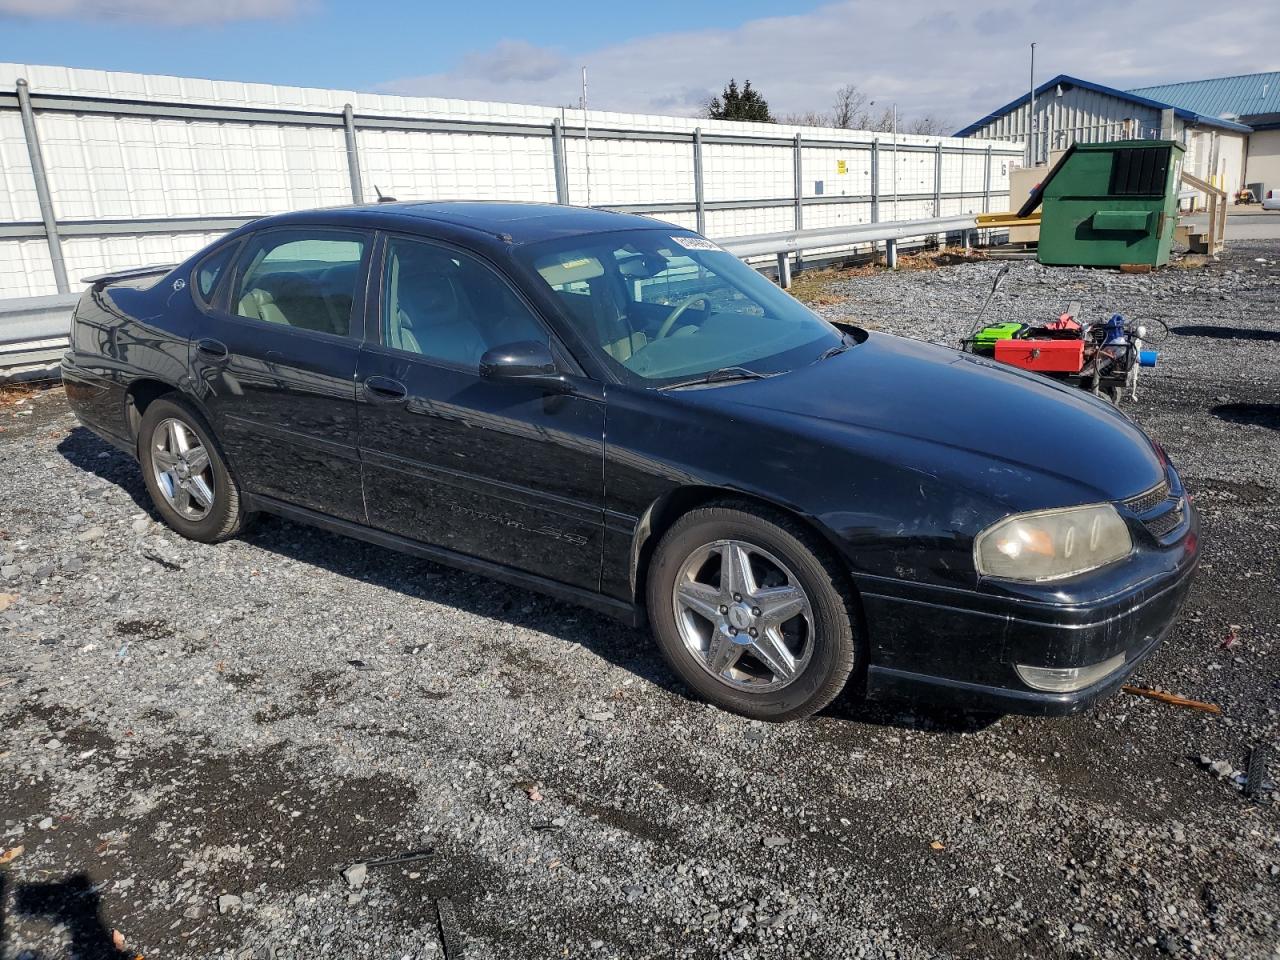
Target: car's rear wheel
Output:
{"points": [[752, 611], [186, 474]]}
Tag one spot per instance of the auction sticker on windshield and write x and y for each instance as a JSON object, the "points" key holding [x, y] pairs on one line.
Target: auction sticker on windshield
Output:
{"points": [[695, 243]]}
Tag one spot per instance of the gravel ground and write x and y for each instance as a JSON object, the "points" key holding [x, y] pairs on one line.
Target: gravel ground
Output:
{"points": [[196, 741]]}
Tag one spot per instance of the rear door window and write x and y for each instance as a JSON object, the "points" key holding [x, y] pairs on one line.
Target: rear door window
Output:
{"points": [[301, 279]]}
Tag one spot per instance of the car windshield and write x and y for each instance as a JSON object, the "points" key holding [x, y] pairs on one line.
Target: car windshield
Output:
{"points": [[664, 308]]}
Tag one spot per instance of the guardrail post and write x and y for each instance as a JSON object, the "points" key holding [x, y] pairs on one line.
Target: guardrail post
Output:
{"points": [[699, 199], [353, 153], [784, 270], [43, 196], [557, 160], [891, 254]]}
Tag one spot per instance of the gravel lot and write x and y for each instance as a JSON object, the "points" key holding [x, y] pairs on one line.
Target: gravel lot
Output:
{"points": [[195, 741]]}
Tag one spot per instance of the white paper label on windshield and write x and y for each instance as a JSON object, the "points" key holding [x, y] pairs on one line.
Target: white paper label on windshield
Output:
{"points": [[695, 243]]}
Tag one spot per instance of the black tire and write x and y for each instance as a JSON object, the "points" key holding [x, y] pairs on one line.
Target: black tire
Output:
{"points": [[835, 640], [226, 516]]}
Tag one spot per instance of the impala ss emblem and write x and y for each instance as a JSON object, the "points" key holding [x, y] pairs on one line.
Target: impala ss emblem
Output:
{"points": [[515, 524]]}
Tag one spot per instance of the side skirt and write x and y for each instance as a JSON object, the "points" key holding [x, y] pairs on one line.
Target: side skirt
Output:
{"points": [[628, 613]]}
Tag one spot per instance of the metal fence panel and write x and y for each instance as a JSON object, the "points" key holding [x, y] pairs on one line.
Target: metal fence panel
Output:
{"points": [[144, 168]]}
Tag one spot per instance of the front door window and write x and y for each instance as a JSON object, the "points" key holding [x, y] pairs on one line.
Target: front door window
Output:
{"points": [[448, 306]]}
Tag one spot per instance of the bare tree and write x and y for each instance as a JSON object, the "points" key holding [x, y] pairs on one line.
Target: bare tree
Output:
{"points": [[809, 118], [883, 123], [853, 110], [929, 125], [849, 112]]}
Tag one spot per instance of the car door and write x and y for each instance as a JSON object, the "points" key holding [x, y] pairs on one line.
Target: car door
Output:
{"points": [[500, 471], [274, 362]]}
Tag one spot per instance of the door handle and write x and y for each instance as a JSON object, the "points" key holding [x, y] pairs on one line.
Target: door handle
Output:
{"points": [[385, 390], [212, 349]]}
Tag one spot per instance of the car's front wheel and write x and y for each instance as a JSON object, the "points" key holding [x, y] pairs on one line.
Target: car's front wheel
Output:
{"points": [[186, 474], [752, 611]]}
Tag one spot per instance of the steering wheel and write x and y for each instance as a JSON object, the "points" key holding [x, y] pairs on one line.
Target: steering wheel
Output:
{"points": [[679, 310]]}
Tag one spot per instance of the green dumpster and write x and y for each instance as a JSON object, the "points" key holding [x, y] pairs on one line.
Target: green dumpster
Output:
{"points": [[1109, 204]]}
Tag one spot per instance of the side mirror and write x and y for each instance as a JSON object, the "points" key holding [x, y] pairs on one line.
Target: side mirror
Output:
{"points": [[526, 361]]}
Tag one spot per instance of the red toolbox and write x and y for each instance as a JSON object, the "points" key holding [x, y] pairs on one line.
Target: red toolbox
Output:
{"points": [[1045, 356]]}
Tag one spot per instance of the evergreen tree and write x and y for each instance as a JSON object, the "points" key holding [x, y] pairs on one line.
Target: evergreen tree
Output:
{"points": [[735, 104]]}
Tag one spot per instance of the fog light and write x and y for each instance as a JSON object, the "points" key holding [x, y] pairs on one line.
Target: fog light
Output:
{"points": [[1067, 679]]}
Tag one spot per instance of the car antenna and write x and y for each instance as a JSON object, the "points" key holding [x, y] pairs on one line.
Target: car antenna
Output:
{"points": [[382, 199], [995, 285]]}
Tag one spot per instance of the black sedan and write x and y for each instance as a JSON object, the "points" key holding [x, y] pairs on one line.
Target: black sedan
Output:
{"points": [[618, 412]]}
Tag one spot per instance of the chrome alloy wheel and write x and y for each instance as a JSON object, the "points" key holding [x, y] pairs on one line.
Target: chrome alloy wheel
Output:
{"points": [[182, 469], [744, 616]]}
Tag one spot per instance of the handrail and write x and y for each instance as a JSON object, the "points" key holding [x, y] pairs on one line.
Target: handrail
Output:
{"points": [[1217, 211]]}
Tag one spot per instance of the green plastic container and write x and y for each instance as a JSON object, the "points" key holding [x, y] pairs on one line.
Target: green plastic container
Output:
{"points": [[1110, 204], [985, 339]]}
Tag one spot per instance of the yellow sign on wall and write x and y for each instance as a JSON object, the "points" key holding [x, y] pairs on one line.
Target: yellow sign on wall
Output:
{"points": [[841, 167]]}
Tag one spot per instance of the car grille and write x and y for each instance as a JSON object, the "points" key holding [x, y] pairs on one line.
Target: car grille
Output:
{"points": [[1145, 502], [1165, 522]]}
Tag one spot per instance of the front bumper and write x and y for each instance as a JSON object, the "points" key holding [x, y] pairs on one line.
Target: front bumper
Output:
{"points": [[960, 648]]}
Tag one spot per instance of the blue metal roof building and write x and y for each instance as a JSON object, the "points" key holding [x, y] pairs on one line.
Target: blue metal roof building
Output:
{"points": [[1135, 97], [1227, 124], [1252, 99]]}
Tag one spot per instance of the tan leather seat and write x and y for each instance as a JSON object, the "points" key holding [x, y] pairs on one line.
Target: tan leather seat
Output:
{"points": [[257, 304], [429, 312], [625, 347]]}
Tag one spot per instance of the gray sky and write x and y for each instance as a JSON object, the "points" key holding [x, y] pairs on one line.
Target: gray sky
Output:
{"points": [[957, 61]]}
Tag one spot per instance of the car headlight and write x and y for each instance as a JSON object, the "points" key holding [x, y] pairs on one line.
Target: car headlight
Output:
{"points": [[1052, 544]]}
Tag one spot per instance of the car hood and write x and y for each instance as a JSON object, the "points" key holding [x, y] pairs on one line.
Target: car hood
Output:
{"points": [[1017, 437]]}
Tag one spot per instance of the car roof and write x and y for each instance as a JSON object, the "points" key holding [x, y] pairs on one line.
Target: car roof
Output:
{"points": [[511, 222]]}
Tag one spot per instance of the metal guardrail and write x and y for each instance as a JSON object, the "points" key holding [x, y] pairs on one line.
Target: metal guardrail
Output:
{"points": [[783, 245], [34, 330], [34, 333]]}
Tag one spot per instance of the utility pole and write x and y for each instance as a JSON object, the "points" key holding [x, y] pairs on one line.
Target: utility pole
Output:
{"points": [[1031, 113], [586, 136]]}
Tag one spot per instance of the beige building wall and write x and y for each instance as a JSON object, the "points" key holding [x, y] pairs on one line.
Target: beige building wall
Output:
{"points": [[1230, 172], [1264, 160], [1226, 169]]}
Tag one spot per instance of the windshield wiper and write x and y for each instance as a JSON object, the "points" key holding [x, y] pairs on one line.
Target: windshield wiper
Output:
{"points": [[721, 375], [839, 348]]}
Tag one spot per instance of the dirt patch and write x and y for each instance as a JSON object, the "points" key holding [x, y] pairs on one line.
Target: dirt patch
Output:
{"points": [[1215, 490], [320, 689], [196, 825], [144, 629]]}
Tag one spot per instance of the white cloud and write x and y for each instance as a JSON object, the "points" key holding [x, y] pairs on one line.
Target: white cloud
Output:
{"points": [[160, 12], [512, 61], [960, 62]]}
